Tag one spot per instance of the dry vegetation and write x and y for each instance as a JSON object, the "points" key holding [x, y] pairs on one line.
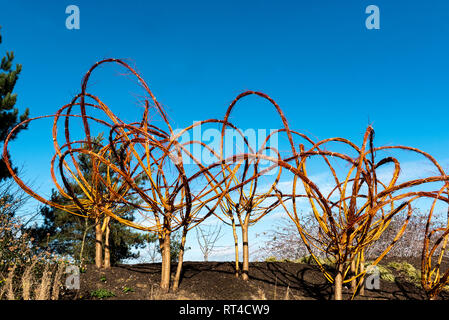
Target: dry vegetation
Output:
{"points": [[27, 273]]}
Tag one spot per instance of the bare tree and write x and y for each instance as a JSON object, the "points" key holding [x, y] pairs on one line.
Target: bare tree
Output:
{"points": [[153, 252], [207, 237], [283, 241], [409, 245]]}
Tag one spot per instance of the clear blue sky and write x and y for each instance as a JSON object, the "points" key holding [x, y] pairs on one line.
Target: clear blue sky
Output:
{"points": [[331, 75]]}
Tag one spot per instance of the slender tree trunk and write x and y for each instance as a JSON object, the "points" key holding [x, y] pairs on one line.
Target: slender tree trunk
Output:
{"points": [[107, 252], [353, 281], [245, 269], [236, 246], [86, 227], [98, 243], [338, 283], [165, 274], [180, 260], [362, 269]]}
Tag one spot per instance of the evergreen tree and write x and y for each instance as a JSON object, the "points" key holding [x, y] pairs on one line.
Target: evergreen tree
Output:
{"points": [[9, 115], [66, 233]]}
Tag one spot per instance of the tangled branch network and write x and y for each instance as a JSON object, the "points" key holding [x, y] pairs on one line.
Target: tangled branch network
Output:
{"points": [[142, 165]]}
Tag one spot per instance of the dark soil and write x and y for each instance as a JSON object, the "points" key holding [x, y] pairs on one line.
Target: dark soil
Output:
{"points": [[216, 280]]}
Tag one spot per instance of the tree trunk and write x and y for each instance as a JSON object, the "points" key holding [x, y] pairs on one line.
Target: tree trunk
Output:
{"points": [[180, 259], [338, 283], [353, 273], [107, 252], [245, 269], [165, 274], [98, 243], [236, 244], [362, 269]]}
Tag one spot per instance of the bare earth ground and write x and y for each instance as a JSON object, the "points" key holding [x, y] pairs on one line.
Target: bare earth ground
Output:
{"points": [[216, 281]]}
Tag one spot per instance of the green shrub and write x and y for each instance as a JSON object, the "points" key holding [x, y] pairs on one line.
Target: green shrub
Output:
{"points": [[305, 260], [271, 259], [102, 293], [127, 289], [385, 273], [395, 265], [407, 269]]}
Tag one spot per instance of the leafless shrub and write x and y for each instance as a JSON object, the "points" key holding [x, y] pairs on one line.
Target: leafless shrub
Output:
{"points": [[283, 242], [21, 263], [153, 253], [409, 245]]}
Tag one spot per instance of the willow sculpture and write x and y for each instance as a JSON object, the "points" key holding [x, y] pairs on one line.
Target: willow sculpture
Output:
{"points": [[433, 278], [356, 210], [246, 202], [139, 155], [144, 165]]}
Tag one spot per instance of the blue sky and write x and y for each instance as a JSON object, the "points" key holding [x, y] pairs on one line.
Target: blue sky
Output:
{"points": [[330, 74]]}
